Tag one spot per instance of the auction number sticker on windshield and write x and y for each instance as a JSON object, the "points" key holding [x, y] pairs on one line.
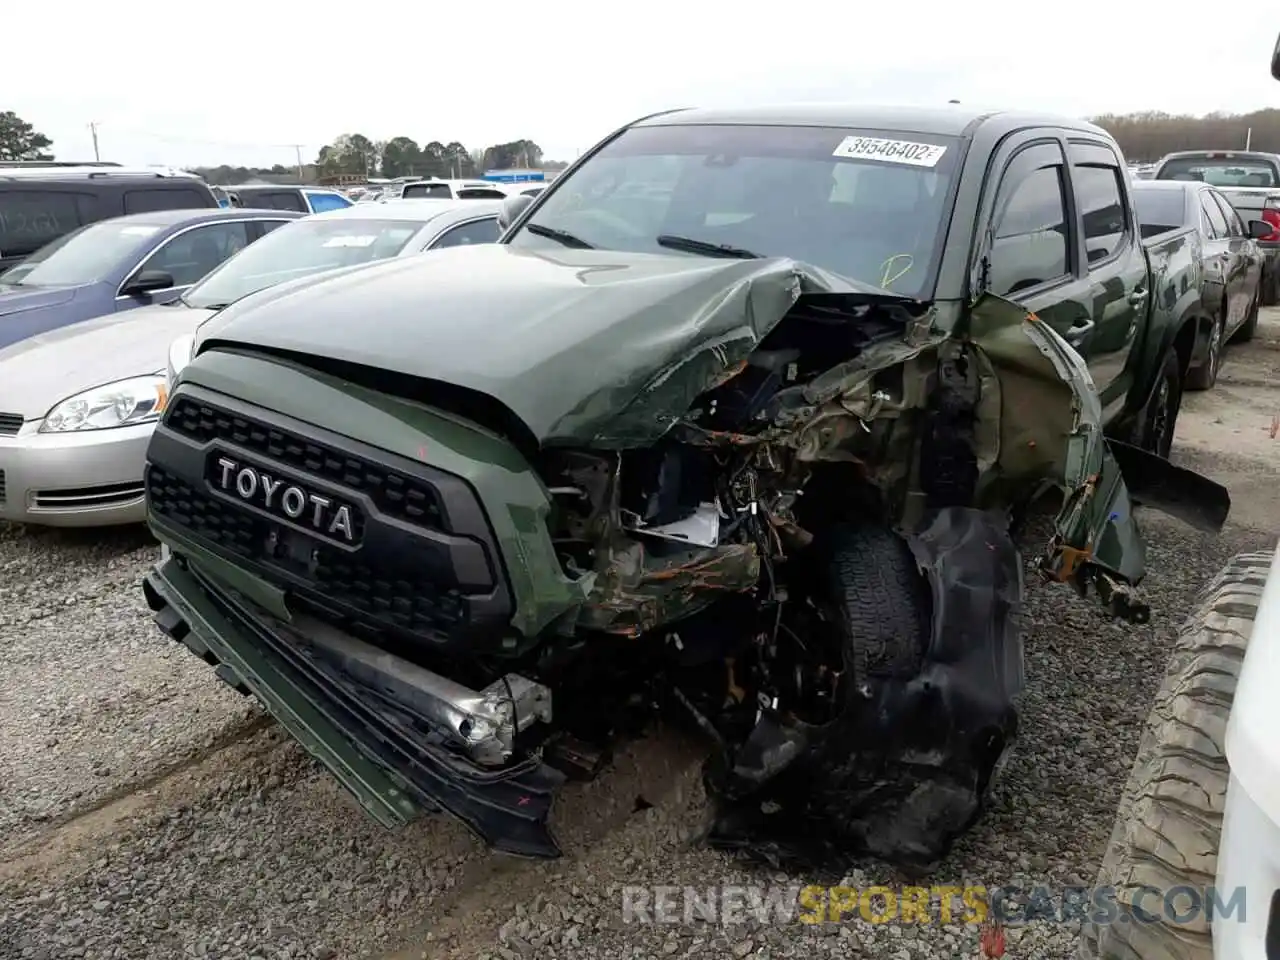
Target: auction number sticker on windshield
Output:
{"points": [[365, 241], [890, 151], [138, 231]]}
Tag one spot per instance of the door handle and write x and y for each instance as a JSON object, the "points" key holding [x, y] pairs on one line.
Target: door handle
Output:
{"points": [[1079, 330], [1138, 295]]}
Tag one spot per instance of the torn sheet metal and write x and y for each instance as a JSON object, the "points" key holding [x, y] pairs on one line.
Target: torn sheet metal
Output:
{"points": [[1050, 430]]}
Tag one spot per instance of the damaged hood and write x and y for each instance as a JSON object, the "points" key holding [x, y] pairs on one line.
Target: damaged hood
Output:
{"points": [[573, 342]]}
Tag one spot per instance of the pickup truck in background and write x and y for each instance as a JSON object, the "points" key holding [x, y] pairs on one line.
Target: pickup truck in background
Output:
{"points": [[1251, 181], [733, 419], [1225, 262]]}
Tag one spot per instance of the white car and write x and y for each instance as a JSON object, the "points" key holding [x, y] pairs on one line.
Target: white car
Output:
{"points": [[86, 398], [435, 189]]}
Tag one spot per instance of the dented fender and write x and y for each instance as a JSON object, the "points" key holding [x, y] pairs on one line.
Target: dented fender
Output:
{"points": [[1051, 433]]}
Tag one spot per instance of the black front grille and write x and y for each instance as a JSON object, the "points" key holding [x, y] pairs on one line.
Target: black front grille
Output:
{"points": [[10, 424], [406, 600], [425, 566], [394, 493]]}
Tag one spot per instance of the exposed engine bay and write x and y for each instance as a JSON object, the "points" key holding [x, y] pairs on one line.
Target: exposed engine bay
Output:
{"points": [[751, 559]]}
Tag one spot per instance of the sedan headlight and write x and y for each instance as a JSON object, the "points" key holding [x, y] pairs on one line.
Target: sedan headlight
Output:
{"points": [[119, 404], [180, 352]]}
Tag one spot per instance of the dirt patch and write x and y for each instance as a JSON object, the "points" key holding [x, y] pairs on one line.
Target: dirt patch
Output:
{"points": [[1232, 432]]}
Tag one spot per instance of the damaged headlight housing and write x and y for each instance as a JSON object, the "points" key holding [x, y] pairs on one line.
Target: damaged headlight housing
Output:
{"points": [[120, 404], [180, 353]]}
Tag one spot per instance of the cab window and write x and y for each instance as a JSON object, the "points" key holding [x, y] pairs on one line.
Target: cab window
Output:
{"points": [[1031, 238], [190, 255], [1102, 209], [477, 231]]}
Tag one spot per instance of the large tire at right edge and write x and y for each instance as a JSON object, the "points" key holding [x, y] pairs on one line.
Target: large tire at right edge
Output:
{"points": [[1170, 816]]}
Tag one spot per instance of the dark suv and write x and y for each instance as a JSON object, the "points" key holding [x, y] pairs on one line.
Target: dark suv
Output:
{"points": [[35, 210]]}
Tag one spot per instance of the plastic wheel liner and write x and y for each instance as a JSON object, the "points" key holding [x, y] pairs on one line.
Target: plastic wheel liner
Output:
{"points": [[905, 767]]}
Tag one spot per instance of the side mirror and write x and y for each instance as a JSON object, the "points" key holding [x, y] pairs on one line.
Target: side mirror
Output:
{"points": [[1275, 60], [147, 282], [512, 207], [1259, 229]]}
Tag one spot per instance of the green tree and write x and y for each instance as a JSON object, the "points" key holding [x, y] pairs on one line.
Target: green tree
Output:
{"points": [[20, 141], [401, 157], [434, 163], [458, 160], [349, 153], [517, 154]]}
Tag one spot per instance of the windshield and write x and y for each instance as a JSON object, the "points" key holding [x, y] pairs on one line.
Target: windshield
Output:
{"points": [[83, 256], [1222, 172], [868, 205], [298, 249], [1162, 208]]}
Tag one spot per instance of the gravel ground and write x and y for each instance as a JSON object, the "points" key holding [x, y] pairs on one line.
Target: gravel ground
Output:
{"points": [[147, 812]]}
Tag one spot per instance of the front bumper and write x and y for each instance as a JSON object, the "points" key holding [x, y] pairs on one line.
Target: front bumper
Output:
{"points": [[81, 479], [392, 754]]}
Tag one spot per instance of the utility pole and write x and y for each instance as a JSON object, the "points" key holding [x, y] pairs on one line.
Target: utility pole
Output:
{"points": [[1248, 138], [297, 153], [93, 131]]}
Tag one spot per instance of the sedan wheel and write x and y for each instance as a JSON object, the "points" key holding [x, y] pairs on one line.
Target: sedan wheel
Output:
{"points": [[1206, 375]]}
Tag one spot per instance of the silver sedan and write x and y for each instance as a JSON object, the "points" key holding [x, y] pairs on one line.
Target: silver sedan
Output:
{"points": [[77, 406]]}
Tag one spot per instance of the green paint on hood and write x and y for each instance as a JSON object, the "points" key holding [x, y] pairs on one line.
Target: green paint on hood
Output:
{"points": [[584, 346]]}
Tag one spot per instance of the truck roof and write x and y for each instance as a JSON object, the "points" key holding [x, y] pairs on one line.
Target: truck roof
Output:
{"points": [[950, 120]]}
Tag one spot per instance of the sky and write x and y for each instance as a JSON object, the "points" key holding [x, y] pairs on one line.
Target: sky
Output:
{"points": [[165, 87]]}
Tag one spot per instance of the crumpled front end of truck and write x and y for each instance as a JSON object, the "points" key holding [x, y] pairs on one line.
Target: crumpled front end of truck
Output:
{"points": [[446, 610]]}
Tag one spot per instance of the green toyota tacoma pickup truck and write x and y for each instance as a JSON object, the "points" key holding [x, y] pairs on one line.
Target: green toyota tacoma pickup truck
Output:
{"points": [[734, 421]]}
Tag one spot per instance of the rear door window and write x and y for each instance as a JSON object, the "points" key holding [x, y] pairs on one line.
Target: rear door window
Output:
{"points": [[143, 200], [321, 201], [1102, 209], [1215, 222], [477, 231], [31, 218], [1235, 226], [430, 191], [274, 200]]}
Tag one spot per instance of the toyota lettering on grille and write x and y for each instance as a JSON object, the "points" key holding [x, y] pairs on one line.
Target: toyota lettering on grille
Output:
{"points": [[279, 496]]}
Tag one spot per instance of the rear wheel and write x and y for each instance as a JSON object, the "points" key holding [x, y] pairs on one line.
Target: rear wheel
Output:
{"points": [[1250, 325], [1170, 817], [1206, 375], [1160, 418], [1271, 286]]}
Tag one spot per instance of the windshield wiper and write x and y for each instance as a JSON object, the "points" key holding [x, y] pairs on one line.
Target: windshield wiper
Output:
{"points": [[560, 236], [704, 247]]}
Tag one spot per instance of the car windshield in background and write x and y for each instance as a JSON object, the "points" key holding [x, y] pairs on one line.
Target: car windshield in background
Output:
{"points": [[868, 205], [1222, 173], [299, 249], [1159, 208], [84, 256]]}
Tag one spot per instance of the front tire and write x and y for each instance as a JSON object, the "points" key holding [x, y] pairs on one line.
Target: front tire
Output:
{"points": [[881, 602], [1170, 818]]}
